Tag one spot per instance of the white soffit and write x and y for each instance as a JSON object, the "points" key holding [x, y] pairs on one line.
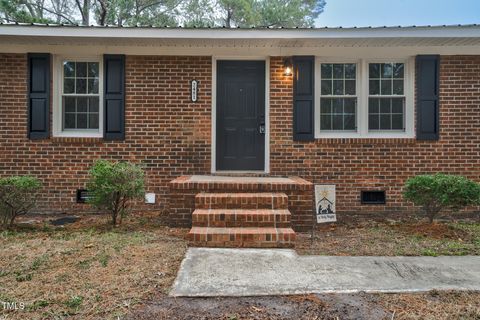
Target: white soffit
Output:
{"points": [[241, 43], [450, 36]]}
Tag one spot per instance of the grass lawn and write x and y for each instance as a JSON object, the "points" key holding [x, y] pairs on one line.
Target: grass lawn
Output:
{"points": [[87, 269], [90, 270]]}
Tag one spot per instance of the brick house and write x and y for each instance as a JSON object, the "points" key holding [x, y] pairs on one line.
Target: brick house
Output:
{"points": [[220, 117]]}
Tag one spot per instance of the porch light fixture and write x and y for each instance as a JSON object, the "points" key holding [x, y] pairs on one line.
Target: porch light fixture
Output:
{"points": [[287, 67]]}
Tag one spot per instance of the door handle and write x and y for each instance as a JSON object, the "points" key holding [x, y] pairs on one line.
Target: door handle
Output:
{"points": [[261, 128]]}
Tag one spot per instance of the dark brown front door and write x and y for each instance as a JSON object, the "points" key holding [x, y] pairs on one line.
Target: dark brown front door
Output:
{"points": [[240, 115]]}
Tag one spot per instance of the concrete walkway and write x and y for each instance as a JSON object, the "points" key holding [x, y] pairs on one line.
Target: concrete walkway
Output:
{"points": [[254, 272]]}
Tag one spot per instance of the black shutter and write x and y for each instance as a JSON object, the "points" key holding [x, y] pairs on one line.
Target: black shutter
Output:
{"points": [[303, 98], [114, 91], [427, 69], [38, 95]]}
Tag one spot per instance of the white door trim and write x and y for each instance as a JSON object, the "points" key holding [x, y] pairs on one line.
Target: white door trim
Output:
{"points": [[214, 111]]}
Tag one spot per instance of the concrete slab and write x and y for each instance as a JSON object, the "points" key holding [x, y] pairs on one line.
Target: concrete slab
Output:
{"points": [[235, 179], [207, 272]]}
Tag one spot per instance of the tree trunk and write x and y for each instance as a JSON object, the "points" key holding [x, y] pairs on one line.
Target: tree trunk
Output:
{"points": [[431, 214], [228, 20], [115, 209], [103, 12], [86, 11]]}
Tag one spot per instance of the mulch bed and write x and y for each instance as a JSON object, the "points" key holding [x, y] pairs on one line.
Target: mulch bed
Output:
{"points": [[388, 237]]}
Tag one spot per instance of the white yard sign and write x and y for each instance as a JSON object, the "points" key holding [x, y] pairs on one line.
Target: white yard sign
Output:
{"points": [[325, 203]]}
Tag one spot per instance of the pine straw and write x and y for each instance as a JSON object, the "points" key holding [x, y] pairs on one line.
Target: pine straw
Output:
{"points": [[433, 305], [88, 270], [393, 238]]}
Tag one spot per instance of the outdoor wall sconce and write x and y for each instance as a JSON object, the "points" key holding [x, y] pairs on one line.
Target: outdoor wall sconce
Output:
{"points": [[287, 67]]}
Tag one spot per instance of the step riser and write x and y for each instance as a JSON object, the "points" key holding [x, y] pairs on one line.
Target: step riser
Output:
{"points": [[244, 239], [239, 224], [241, 201], [212, 244], [240, 218]]}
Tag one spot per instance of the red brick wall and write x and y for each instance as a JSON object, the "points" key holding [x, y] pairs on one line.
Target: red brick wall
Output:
{"points": [[384, 164], [171, 136], [165, 132]]}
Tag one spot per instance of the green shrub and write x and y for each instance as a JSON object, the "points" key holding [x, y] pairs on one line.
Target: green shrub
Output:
{"points": [[113, 185], [441, 191], [17, 196]]}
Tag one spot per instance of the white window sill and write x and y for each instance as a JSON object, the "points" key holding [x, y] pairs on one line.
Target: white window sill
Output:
{"points": [[370, 135], [76, 134]]}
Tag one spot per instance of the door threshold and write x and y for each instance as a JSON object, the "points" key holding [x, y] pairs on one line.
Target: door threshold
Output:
{"points": [[240, 172]]}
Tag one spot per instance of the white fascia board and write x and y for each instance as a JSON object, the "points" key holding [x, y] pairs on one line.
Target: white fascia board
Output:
{"points": [[178, 33]]}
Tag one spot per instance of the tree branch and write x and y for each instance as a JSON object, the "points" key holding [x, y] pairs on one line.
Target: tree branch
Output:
{"points": [[80, 8], [58, 14]]}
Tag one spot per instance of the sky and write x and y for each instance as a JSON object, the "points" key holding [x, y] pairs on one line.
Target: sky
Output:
{"points": [[349, 13]]}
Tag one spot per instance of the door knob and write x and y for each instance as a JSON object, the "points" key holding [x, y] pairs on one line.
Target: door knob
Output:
{"points": [[261, 128]]}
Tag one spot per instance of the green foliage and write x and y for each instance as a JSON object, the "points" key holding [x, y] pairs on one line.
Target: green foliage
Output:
{"points": [[38, 304], [17, 196], [22, 277], [74, 302], [189, 13], [22, 11], [429, 253], [139, 12], [288, 13], [113, 185], [252, 13], [103, 259], [441, 191]]}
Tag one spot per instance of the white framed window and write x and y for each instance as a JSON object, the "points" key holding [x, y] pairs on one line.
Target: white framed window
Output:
{"points": [[386, 96], [78, 103], [338, 97], [364, 98]]}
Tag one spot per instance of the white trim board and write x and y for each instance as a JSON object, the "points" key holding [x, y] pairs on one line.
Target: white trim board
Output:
{"points": [[227, 33], [362, 99], [213, 167], [57, 81]]}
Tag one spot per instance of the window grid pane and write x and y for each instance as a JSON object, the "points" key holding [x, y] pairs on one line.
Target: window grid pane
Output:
{"points": [[80, 77], [386, 114], [385, 111], [338, 102], [338, 114], [386, 79], [85, 115]]}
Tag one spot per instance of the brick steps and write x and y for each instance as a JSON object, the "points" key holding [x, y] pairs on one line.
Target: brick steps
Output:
{"points": [[185, 189], [229, 218], [262, 200], [248, 219], [242, 237]]}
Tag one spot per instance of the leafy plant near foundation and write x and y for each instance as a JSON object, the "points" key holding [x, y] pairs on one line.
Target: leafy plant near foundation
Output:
{"points": [[440, 192], [113, 186], [17, 196]]}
